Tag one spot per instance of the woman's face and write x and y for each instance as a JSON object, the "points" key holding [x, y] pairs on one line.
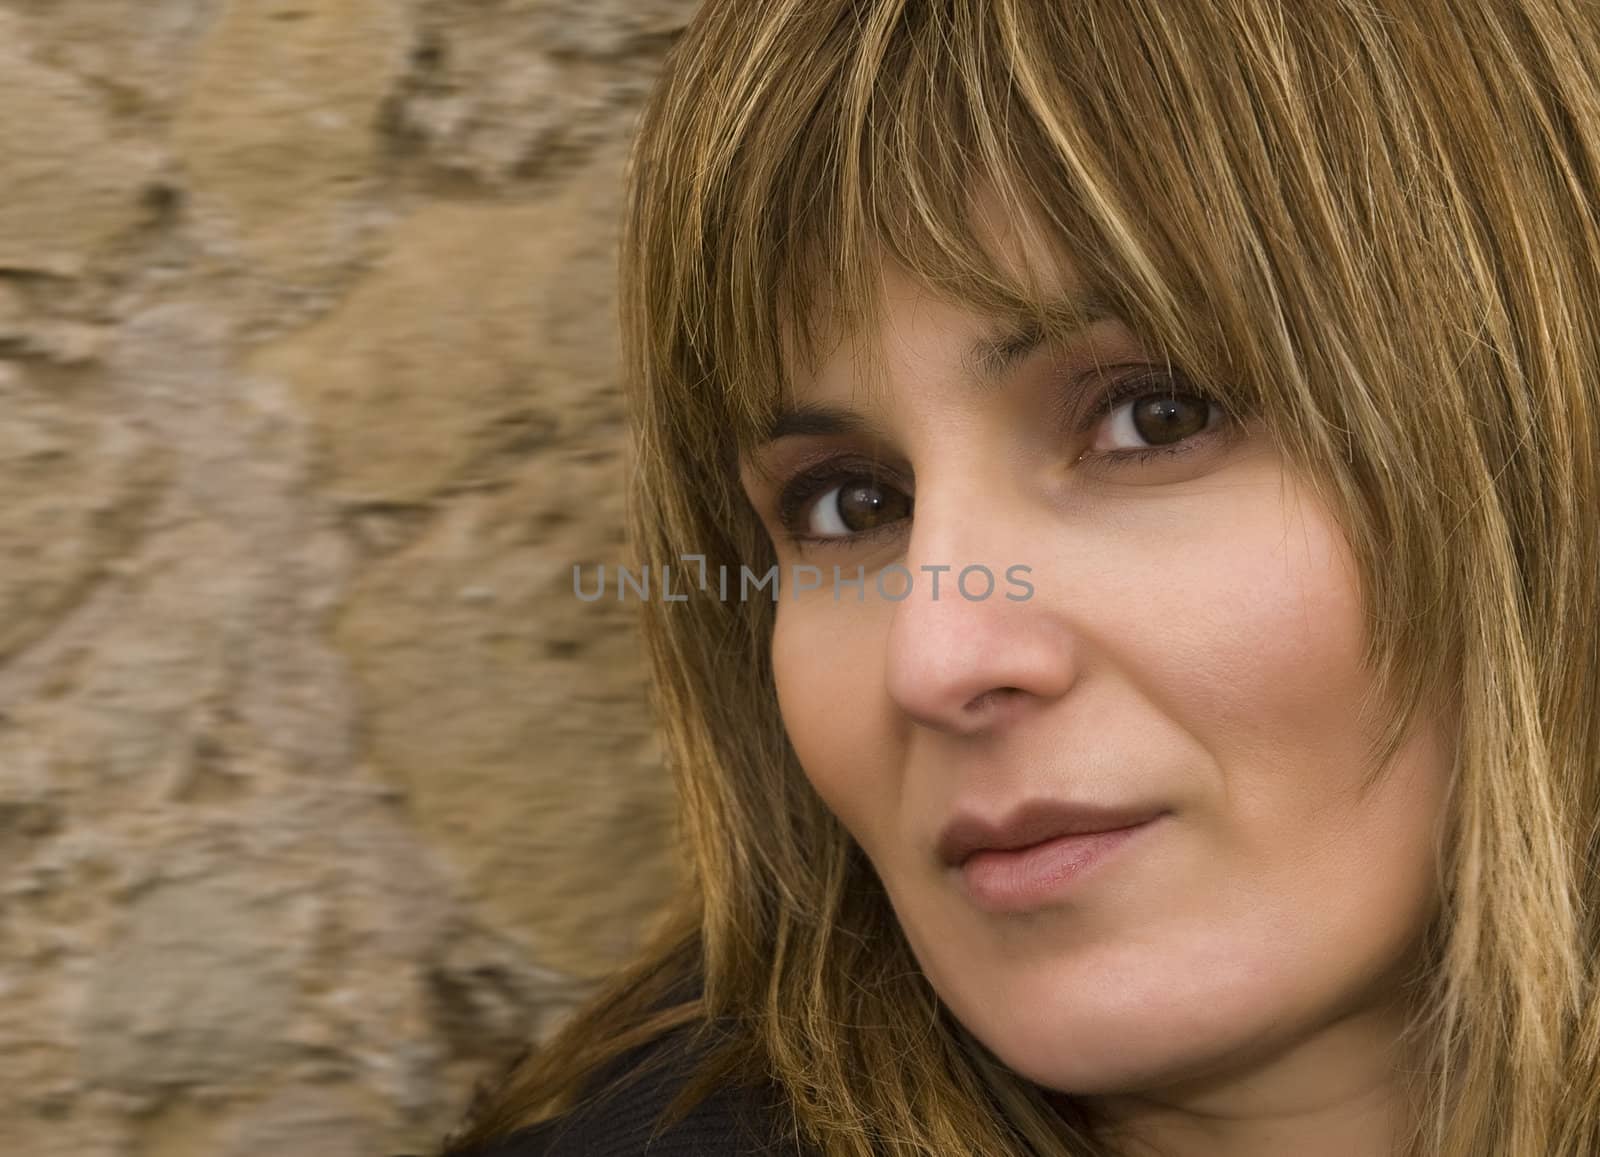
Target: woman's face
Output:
{"points": [[1190, 647]]}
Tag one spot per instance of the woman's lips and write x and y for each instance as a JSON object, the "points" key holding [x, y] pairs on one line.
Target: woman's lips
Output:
{"points": [[1024, 878]]}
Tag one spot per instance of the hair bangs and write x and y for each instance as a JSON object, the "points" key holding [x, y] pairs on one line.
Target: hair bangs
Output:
{"points": [[919, 145]]}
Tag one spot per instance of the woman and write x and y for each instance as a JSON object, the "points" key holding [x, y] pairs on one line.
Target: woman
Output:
{"points": [[1250, 351]]}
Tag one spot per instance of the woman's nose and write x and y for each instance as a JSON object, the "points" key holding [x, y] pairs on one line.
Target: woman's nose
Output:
{"points": [[976, 638]]}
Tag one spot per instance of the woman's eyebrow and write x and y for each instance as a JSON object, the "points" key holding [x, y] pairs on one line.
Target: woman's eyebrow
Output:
{"points": [[997, 353], [990, 358], [813, 418], [987, 361]]}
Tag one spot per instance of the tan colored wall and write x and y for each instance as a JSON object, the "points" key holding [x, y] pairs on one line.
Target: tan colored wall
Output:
{"points": [[319, 790]]}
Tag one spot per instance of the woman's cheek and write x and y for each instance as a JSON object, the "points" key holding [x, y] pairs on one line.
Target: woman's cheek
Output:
{"points": [[830, 691]]}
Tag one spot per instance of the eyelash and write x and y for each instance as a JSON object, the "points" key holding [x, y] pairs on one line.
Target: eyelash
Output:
{"points": [[805, 487]]}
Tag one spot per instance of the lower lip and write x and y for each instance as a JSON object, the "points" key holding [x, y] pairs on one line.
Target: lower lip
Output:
{"points": [[1015, 881]]}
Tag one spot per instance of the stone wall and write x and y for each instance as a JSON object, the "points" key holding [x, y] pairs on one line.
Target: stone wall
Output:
{"points": [[314, 774]]}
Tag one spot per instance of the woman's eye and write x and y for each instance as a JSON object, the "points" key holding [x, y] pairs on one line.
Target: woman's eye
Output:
{"points": [[1147, 417], [840, 504]]}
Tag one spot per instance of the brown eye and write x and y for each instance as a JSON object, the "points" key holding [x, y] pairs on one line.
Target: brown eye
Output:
{"points": [[857, 506], [1162, 420], [1152, 415]]}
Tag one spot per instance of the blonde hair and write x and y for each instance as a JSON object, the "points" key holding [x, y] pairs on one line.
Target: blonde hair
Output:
{"points": [[1375, 228]]}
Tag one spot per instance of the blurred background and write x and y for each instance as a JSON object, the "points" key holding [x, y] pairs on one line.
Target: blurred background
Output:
{"points": [[320, 792]]}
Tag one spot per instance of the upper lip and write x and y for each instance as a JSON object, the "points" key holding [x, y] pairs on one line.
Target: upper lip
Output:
{"points": [[1033, 823]]}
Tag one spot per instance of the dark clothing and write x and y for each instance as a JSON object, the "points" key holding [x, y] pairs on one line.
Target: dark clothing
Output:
{"points": [[731, 1122]]}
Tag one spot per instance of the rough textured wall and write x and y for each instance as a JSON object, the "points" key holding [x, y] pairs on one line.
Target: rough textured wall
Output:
{"points": [[314, 774]]}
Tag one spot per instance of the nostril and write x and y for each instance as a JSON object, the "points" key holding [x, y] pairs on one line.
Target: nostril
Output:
{"points": [[991, 698]]}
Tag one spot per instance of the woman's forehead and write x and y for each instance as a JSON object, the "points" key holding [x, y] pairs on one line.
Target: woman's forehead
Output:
{"points": [[909, 319]]}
